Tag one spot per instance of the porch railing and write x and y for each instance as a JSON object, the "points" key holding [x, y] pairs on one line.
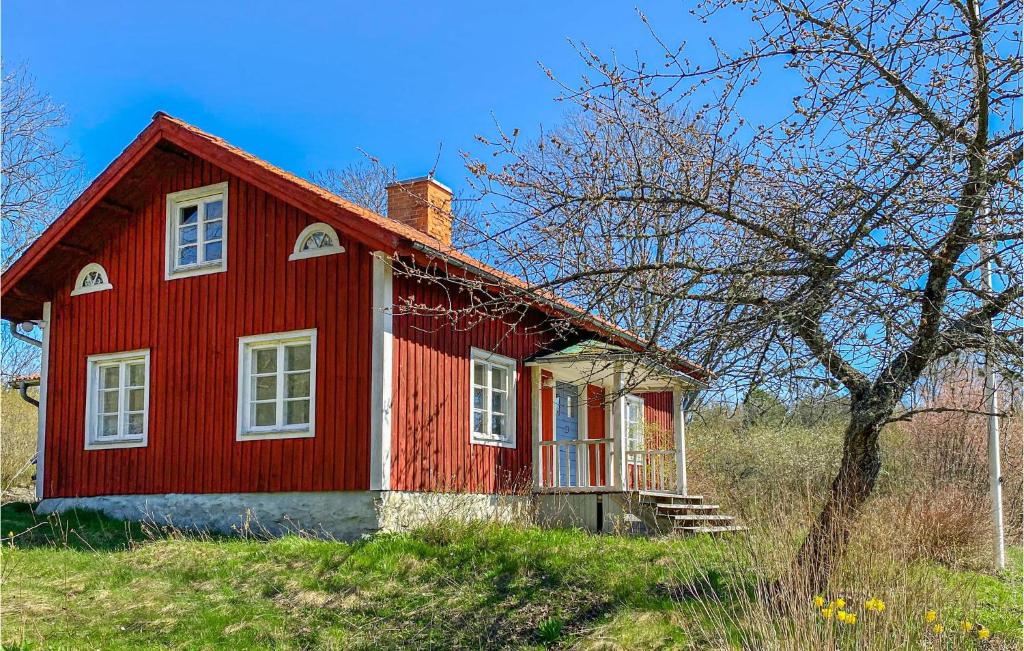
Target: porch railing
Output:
{"points": [[581, 464], [651, 470]]}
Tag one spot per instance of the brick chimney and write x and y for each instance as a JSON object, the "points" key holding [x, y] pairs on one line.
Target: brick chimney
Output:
{"points": [[424, 204]]}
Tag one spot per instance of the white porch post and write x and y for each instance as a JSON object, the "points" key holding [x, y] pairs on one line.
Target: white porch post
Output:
{"points": [[679, 430], [536, 408], [44, 367], [619, 428]]}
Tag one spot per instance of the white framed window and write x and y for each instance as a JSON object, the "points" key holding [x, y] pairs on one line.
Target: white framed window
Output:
{"points": [[492, 380], [316, 240], [635, 426], [197, 231], [117, 400], [92, 278], [277, 385]]}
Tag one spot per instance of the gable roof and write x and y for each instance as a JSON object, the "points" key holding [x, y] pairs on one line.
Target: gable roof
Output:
{"points": [[20, 300]]}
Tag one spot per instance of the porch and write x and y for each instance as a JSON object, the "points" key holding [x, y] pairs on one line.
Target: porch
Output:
{"points": [[592, 425]]}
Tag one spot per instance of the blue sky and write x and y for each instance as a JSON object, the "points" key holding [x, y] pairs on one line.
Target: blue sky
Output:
{"points": [[306, 84]]}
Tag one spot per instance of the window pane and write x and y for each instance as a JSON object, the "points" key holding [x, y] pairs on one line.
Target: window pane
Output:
{"points": [[480, 373], [265, 387], [214, 210], [213, 251], [478, 398], [297, 385], [498, 426], [108, 402], [136, 399], [297, 412], [92, 279], [188, 234], [135, 424], [478, 422], [498, 377], [264, 414], [265, 360], [214, 230], [296, 357], [188, 214], [108, 425], [187, 255], [499, 402], [136, 375], [110, 376]]}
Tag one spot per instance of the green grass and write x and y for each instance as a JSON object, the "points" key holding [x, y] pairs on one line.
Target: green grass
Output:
{"points": [[85, 581]]}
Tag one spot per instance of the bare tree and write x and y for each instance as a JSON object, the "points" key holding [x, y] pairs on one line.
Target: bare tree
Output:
{"points": [[363, 183], [39, 178], [835, 251]]}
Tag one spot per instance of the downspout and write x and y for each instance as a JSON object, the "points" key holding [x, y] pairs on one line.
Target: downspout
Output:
{"points": [[23, 337], [25, 384], [23, 391]]}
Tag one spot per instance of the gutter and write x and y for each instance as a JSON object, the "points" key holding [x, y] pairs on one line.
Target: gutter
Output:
{"points": [[23, 385], [575, 311]]}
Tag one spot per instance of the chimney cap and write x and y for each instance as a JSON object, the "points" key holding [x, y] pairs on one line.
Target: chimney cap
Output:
{"points": [[417, 180]]}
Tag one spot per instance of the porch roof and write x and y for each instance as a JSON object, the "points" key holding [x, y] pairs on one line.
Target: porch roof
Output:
{"points": [[596, 362]]}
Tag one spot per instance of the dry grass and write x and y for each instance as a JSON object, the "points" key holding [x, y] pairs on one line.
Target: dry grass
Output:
{"points": [[17, 444]]}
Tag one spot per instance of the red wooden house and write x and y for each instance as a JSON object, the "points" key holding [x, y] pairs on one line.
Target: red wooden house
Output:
{"points": [[222, 337]]}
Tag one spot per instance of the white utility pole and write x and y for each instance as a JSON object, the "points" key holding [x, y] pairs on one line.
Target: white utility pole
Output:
{"points": [[995, 478]]}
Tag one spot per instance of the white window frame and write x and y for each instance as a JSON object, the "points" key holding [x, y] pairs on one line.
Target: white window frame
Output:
{"points": [[245, 432], [299, 254], [93, 365], [92, 267], [510, 366], [638, 401], [177, 200]]}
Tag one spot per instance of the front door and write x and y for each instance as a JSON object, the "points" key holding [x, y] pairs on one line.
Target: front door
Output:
{"points": [[567, 405]]}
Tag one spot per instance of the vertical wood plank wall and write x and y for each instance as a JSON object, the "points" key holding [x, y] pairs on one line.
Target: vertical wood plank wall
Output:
{"points": [[431, 448], [658, 412], [191, 326]]}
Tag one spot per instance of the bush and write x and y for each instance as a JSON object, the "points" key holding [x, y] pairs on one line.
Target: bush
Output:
{"points": [[17, 443]]}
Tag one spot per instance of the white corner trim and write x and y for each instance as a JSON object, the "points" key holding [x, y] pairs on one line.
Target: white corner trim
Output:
{"points": [[171, 272], [299, 254], [86, 270], [241, 416], [513, 368], [679, 434], [381, 369], [536, 407], [90, 401], [44, 362]]}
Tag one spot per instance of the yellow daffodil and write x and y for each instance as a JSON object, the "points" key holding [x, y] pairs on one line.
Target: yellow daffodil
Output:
{"points": [[819, 601], [967, 625], [930, 616], [873, 604], [851, 618], [984, 633], [879, 605], [841, 616], [841, 603], [826, 613], [938, 628]]}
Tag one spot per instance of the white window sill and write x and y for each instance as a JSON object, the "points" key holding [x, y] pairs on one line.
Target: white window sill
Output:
{"points": [[199, 270], [316, 253], [497, 443], [275, 434], [78, 291], [115, 445]]}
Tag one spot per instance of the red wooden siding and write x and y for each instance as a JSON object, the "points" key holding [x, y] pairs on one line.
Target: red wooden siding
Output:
{"points": [[658, 413], [596, 430], [430, 448], [191, 327]]}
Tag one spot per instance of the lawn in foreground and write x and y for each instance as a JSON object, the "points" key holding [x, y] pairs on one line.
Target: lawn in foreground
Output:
{"points": [[86, 581]]}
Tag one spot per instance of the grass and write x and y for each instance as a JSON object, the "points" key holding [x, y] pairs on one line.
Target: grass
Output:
{"points": [[85, 581]]}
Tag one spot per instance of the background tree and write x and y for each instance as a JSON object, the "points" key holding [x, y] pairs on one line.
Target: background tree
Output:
{"points": [[364, 183], [834, 252], [39, 179]]}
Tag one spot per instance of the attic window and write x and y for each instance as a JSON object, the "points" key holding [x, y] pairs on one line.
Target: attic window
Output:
{"points": [[92, 278], [316, 240], [197, 231]]}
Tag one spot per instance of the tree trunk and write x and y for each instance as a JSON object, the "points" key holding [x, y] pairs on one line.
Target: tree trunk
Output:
{"points": [[827, 539]]}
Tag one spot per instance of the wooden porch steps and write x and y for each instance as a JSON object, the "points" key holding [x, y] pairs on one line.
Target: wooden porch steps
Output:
{"points": [[687, 514]]}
